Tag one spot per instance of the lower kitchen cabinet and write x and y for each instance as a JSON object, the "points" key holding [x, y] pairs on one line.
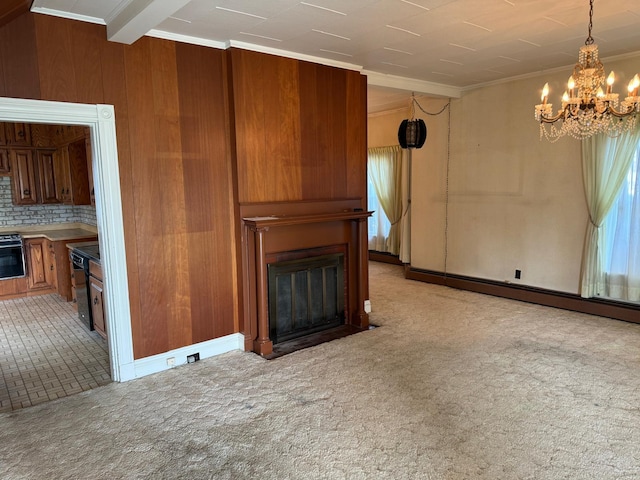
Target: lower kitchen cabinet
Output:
{"points": [[96, 298], [40, 265]]}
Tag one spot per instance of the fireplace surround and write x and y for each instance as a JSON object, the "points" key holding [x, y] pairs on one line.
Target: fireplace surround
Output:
{"points": [[281, 232]]}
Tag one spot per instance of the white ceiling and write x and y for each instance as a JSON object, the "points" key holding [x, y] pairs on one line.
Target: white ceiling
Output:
{"points": [[438, 47]]}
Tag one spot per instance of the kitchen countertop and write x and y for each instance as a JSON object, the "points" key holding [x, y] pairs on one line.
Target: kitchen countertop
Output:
{"points": [[54, 232]]}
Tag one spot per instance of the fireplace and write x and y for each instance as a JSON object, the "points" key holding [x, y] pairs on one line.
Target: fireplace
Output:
{"points": [[305, 296], [275, 234]]}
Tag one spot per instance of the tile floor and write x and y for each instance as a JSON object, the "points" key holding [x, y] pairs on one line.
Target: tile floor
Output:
{"points": [[46, 352]]}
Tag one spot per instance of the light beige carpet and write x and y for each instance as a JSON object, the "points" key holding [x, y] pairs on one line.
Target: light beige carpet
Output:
{"points": [[454, 385]]}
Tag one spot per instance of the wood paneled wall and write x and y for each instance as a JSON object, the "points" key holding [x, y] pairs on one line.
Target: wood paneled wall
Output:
{"points": [[200, 131], [300, 129], [175, 165]]}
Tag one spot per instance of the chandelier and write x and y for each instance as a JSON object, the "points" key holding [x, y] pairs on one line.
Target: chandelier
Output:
{"points": [[587, 109]]}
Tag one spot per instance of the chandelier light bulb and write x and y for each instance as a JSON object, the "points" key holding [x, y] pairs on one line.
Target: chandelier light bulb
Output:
{"points": [[571, 84], [610, 79], [545, 93]]}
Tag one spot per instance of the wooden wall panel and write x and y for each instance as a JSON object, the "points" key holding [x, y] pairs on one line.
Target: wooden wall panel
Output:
{"points": [[323, 119], [267, 127], [151, 329], [19, 58], [171, 211], [55, 58], [356, 137], [293, 129], [86, 50], [209, 218], [115, 93]]}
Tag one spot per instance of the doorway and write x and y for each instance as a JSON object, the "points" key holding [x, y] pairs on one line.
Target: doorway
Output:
{"points": [[100, 119]]}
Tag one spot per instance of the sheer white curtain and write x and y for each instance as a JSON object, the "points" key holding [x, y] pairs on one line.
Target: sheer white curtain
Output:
{"points": [[605, 164], [385, 172], [620, 239]]}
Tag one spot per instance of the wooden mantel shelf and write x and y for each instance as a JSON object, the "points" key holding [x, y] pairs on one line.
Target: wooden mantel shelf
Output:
{"points": [[281, 221]]}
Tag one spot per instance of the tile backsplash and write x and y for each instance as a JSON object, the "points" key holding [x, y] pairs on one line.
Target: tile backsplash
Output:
{"points": [[19, 215]]}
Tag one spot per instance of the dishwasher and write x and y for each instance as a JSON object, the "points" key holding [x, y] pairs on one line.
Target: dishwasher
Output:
{"points": [[81, 274]]}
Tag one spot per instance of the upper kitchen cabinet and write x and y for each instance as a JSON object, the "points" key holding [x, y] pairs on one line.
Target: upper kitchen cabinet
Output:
{"points": [[72, 174], [24, 177], [47, 182], [17, 134], [5, 164], [34, 177]]}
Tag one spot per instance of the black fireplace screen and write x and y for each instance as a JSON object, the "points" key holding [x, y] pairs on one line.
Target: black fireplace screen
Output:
{"points": [[305, 296]]}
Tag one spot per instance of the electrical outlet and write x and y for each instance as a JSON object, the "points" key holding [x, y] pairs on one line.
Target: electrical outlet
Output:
{"points": [[171, 362], [367, 306], [518, 273], [193, 358]]}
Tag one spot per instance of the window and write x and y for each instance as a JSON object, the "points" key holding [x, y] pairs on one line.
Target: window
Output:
{"points": [[620, 239], [379, 225]]}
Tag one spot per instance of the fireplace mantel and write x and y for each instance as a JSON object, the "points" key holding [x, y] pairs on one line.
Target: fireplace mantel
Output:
{"points": [[266, 238], [284, 220]]}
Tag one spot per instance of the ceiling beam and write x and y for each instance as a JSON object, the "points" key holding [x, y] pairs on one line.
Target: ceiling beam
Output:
{"points": [[131, 20], [412, 85]]}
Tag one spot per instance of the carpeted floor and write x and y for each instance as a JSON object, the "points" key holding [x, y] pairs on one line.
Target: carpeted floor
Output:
{"points": [[454, 385]]}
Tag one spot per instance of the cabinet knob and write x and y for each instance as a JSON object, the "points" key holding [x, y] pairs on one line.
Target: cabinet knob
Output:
{"points": [[51, 267], [95, 300], [26, 192]]}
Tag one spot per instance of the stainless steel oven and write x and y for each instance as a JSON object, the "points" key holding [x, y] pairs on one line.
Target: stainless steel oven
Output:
{"points": [[11, 256]]}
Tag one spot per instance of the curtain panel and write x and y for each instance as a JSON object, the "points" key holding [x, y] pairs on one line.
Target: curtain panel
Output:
{"points": [[605, 163], [385, 170]]}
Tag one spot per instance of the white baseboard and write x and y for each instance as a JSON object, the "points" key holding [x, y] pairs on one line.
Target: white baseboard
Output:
{"points": [[158, 363]]}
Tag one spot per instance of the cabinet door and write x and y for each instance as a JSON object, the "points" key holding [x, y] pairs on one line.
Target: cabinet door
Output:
{"points": [[18, 134], [40, 270], [24, 177], [5, 164], [3, 134], [61, 172], [47, 176], [79, 173], [87, 146], [97, 309]]}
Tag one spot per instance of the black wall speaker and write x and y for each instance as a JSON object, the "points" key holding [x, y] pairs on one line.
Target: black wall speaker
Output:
{"points": [[412, 133]]}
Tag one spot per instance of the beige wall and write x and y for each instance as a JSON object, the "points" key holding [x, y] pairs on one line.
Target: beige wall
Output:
{"points": [[515, 202]]}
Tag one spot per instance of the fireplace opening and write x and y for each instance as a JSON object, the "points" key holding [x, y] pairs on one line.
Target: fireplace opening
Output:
{"points": [[305, 296]]}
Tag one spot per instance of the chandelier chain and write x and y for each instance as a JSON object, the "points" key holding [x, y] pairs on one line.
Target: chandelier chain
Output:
{"points": [[589, 40]]}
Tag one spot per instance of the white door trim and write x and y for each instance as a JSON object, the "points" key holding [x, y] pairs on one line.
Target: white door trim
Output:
{"points": [[101, 120]]}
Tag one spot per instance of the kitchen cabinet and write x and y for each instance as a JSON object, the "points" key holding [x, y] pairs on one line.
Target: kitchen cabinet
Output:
{"points": [[87, 149], [34, 179], [17, 134], [47, 183], [72, 174], [96, 298], [65, 281], [40, 269], [5, 164], [24, 177], [65, 134]]}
